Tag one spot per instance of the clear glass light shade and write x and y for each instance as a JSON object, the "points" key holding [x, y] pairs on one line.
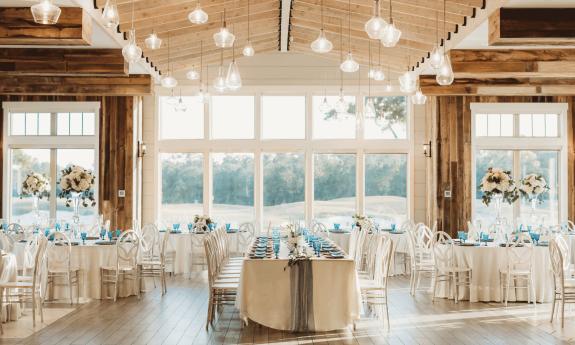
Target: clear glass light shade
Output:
{"points": [[341, 105], [202, 96], [181, 106], [324, 106], [153, 41], [390, 35], [220, 81], [131, 52], [233, 78], [369, 109], [375, 26], [321, 45], [408, 82], [371, 72], [224, 38], [172, 100], [45, 12], [436, 58], [444, 74], [419, 98], [379, 75], [248, 49], [169, 82], [198, 16], [110, 14], [388, 87], [349, 65], [193, 74]]}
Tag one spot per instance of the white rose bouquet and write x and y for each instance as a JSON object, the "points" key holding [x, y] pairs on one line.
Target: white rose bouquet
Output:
{"points": [[76, 179], [35, 184], [202, 223], [533, 185], [498, 182]]}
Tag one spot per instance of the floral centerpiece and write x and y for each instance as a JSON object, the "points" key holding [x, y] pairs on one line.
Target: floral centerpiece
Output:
{"points": [[497, 185], [76, 187], [202, 223], [362, 222], [531, 187], [37, 186], [295, 238]]}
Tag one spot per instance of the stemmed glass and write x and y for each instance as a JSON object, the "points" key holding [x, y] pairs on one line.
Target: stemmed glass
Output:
{"points": [[276, 248], [110, 235], [83, 235]]}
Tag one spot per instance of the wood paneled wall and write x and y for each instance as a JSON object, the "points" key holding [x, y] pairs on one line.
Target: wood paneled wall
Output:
{"points": [[116, 152], [453, 141]]}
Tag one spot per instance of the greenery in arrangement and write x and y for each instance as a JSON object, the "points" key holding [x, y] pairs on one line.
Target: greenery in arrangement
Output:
{"points": [[498, 182], [35, 184], [532, 186], [75, 179]]}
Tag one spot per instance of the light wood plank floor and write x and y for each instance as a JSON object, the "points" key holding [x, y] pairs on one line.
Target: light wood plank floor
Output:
{"points": [[179, 318]]}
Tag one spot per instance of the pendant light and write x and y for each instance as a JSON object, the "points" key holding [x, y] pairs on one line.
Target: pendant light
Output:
{"points": [[224, 38], [321, 45], [390, 34], [407, 81], [233, 78], [368, 107], [419, 98], [193, 74], [372, 69], [248, 48], [180, 105], [436, 58], [220, 80], [198, 16], [203, 95], [324, 106], [379, 75], [172, 100], [153, 42], [444, 74], [388, 87], [45, 12], [375, 25], [340, 104], [349, 65], [131, 52], [168, 81], [110, 14]]}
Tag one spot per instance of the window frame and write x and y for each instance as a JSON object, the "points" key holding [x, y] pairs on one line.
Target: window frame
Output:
{"points": [[518, 143], [52, 142]]}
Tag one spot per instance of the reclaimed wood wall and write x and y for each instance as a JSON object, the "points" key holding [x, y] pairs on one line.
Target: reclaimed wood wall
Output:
{"points": [[453, 141], [116, 152]]}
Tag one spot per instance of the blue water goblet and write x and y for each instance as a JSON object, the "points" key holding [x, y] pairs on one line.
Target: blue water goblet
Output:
{"points": [[118, 233], [190, 227], [46, 232], [83, 235], [228, 227], [276, 249], [110, 235], [58, 226], [336, 226], [393, 227]]}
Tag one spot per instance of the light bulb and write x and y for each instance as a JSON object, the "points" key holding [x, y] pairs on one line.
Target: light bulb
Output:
{"points": [[220, 81], [169, 82], [419, 98], [193, 74], [388, 87], [369, 109], [371, 72], [198, 16], [407, 82], [349, 65], [45, 12], [341, 105], [202, 96], [390, 35], [436, 58], [248, 49], [444, 74], [110, 14], [131, 52], [324, 106], [224, 38], [321, 45], [153, 41], [233, 78], [181, 106], [379, 75]]}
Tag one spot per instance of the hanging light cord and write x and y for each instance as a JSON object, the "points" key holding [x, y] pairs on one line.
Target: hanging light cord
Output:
{"points": [[201, 60], [321, 9], [133, 14], [444, 29], [349, 25], [341, 54], [248, 20], [390, 13]]}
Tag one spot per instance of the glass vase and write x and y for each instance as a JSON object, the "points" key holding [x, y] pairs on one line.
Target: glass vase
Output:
{"points": [[36, 207], [533, 216], [75, 197], [498, 204]]}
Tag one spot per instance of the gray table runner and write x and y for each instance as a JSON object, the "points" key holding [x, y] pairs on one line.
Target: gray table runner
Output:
{"points": [[301, 280]]}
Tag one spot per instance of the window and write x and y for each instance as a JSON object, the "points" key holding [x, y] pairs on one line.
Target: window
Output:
{"points": [[386, 188], [390, 121], [494, 125], [538, 125], [182, 186], [178, 124], [545, 163], [232, 117], [46, 137], [330, 124], [334, 188], [283, 117], [233, 186], [485, 159], [284, 187]]}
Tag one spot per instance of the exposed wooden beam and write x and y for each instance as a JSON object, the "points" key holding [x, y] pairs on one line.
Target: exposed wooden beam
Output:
{"points": [[532, 26], [39, 61], [140, 84], [17, 27]]}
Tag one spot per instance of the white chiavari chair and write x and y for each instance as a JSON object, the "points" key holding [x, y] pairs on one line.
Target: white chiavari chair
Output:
{"points": [[447, 269], [246, 234], [472, 231], [125, 267], [519, 267], [319, 229], [153, 265], [563, 287], [16, 231], [359, 253], [420, 250], [7, 242], [353, 238], [60, 269]]}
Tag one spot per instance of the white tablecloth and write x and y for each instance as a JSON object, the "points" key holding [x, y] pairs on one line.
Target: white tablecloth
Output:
{"points": [[9, 271]]}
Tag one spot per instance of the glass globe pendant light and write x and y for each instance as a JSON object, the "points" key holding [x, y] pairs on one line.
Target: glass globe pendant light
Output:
{"points": [[349, 65], [110, 14], [341, 105], [180, 105], [220, 80], [202, 96], [321, 44], [224, 38], [153, 42], [390, 34], [436, 57], [445, 74], [168, 81], [198, 16], [379, 75], [375, 25], [419, 98], [193, 74], [172, 100], [45, 12], [248, 48], [408, 81], [233, 78], [131, 52]]}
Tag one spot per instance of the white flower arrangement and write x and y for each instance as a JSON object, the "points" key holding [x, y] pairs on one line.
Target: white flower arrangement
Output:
{"points": [[76, 179], [498, 182], [201, 223], [294, 236], [533, 185], [35, 184], [363, 222]]}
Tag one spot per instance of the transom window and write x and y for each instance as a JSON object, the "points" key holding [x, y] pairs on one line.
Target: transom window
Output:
{"points": [[517, 125]]}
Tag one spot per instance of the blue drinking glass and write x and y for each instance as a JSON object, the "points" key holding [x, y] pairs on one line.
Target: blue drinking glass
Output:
{"points": [[276, 249], [110, 235], [118, 233], [46, 232], [83, 235], [176, 226], [393, 227], [58, 226], [336, 226], [228, 226], [190, 227], [102, 233]]}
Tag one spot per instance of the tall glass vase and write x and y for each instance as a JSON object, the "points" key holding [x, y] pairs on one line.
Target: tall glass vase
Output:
{"points": [[498, 204], [36, 207], [533, 216], [75, 197]]}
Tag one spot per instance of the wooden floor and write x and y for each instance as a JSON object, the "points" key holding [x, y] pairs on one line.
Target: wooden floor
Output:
{"points": [[179, 318]]}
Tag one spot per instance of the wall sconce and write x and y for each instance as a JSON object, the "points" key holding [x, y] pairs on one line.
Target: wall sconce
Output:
{"points": [[142, 149], [427, 149]]}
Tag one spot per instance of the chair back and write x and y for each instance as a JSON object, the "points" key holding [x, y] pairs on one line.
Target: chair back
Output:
{"points": [[15, 230], [7, 242], [164, 247], [353, 238], [210, 247], [30, 254], [557, 264], [519, 251], [127, 247], [59, 251], [150, 237], [319, 229], [443, 254], [565, 251], [39, 278], [407, 225], [383, 260], [422, 242], [246, 234]]}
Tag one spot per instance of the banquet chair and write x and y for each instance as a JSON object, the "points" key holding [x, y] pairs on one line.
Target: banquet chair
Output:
{"points": [[472, 231], [16, 231], [563, 287], [60, 269], [421, 253], [406, 227], [197, 253], [319, 229], [519, 267], [447, 270], [246, 234], [6, 242], [125, 266], [154, 266], [29, 291], [149, 241], [353, 238], [359, 252]]}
